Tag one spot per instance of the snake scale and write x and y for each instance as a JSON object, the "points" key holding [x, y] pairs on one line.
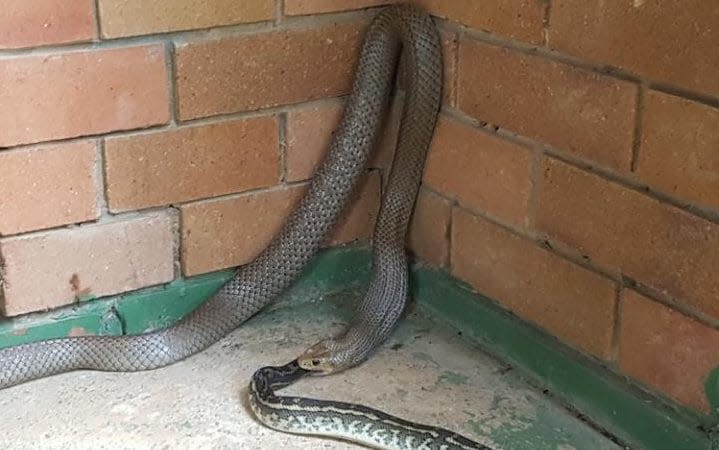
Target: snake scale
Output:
{"points": [[399, 33]]}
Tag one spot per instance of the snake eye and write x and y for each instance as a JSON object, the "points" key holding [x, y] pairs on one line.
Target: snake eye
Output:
{"points": [[315, 362]]}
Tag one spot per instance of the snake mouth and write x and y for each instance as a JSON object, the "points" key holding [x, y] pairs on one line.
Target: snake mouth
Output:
{"points": [[318, 360]]}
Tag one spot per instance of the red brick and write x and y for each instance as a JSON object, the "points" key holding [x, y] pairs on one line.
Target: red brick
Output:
{"points": [[577, 111], [309, 132], [82, 93], [33, 23], [679, 152], [480, 170], [673, 42], [191, 163], [428, 234], [120, 18], [47, 186], [217, 234], [656, 244], [570, 302], [267, 69], [305, 7], [518, 19], [666, 350], [51, 269]]}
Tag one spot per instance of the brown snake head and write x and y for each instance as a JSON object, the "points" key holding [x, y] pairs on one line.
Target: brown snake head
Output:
{"points": [[321, 358]]}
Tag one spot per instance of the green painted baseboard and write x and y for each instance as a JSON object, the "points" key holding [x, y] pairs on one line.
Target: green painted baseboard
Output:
{"points": [[640, 420], [607, 400]]}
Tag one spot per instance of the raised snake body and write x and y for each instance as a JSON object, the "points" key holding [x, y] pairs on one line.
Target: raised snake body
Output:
{"points": [[397, 30]]}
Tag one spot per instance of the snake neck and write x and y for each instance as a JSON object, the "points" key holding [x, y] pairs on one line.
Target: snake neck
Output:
{"points": [[374, 320]]}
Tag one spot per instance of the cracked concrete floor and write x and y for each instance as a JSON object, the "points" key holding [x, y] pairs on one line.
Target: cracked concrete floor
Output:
{"points": [[425, 373]]}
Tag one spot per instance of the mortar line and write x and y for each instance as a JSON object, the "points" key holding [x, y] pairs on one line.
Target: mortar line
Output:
{"points": [[614, 357], [96, 22], [101, 180], [533, 201], [282, 147], [448, 236], [236, 195], [279, 12], [638, 123], [3, 309], [265, 111], [171, 77], [86, 137], [546, 22], [136, 41], [176, 215], [119, 217], [454, 98]]}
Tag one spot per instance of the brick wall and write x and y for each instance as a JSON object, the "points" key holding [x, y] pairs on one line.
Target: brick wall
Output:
{"points": [[574, 175]]}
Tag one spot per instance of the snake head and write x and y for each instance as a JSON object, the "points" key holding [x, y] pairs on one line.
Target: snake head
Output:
{"points": [[318, 359]]}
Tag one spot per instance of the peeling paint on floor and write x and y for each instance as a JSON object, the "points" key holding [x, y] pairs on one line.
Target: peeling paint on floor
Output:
{"points": [[424, 372]]}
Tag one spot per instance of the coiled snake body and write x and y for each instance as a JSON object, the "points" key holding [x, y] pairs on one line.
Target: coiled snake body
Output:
{"points": [[396, 30]]}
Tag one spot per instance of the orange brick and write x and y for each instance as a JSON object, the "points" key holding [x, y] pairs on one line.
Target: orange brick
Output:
{"points": [[266, 69], [656, 244], [672, 42], [679, 152], [26, 23], [428, 233], [191, 163], [568, 301], [304, 7], [667, 350], [54, 268], [47, 186], [480, 170], [82, 93], [581, 112], [310, 130], [217, 234], [120, 18], [518, 19]]}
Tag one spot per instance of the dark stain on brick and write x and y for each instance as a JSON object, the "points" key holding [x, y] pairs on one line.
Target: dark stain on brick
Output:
{"points": [[76, 287]]}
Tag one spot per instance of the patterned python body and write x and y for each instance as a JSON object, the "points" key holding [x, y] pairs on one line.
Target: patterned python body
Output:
{"points": [[348, 421]]}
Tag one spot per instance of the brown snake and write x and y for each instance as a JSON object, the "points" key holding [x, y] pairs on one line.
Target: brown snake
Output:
{"points": [[398, 31]]}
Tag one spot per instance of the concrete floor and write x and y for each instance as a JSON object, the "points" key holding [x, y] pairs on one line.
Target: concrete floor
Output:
{"points": [[425, 373]]}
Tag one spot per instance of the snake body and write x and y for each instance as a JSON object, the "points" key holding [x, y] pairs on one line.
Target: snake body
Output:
{"points": [[398, 31], [406, 32], [348, 421]]}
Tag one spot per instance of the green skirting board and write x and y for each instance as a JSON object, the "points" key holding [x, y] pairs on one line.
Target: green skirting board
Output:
{"points": [[640, 420]]}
